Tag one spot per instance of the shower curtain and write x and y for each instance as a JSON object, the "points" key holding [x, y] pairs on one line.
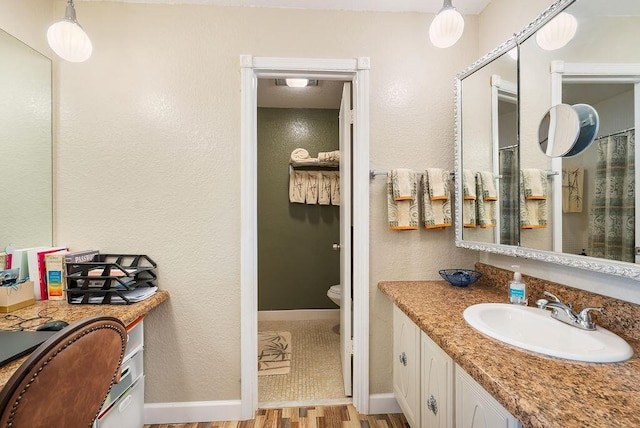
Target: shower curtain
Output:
{"points": [[509, 187], [612, 213]]}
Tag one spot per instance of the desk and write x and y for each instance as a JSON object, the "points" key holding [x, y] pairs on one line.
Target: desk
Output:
{"points": [[61, 310]]}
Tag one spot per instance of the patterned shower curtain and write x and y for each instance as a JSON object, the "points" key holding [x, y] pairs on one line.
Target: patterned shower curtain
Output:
{"points": [[509, 187], [612, 214]]}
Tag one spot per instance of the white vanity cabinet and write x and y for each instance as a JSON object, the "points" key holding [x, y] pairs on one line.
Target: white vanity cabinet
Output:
{"points": [[406, 366], [437, 385], [476, 408]]}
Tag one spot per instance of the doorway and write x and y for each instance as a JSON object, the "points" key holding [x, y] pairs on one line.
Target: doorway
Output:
{"points": [[357, 72]]}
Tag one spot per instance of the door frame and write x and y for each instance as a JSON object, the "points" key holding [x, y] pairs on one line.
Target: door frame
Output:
{"points": [[355, 70]]}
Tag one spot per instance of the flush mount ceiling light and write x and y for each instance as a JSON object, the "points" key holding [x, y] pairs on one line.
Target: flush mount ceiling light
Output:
{"points": [[296, 83], [447, 27], [67, 38], [557, 32]]}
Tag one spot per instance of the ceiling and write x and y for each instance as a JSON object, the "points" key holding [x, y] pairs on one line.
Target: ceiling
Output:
{"points": [[466, 7]]}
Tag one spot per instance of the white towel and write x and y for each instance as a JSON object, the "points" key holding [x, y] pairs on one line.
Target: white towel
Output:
{"points": [[297, 186], [300, 156], [436, 213], [438, 183], [572, 188], [534, 183], [313, 181], [469, 213], [329, 158], [486, 204], [335, 188], [533, 199], [468, 185], [404, 184], [324, 188], [402, 215], [488, 185]]}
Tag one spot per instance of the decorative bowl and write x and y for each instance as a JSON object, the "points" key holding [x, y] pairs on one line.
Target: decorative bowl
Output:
{"points": [[460, 277]]}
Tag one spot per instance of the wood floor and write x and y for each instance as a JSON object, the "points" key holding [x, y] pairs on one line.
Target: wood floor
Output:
{"points": [[305, 417]]}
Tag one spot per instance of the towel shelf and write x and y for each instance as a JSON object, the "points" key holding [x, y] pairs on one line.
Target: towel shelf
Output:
{"points": [[313, 167]]}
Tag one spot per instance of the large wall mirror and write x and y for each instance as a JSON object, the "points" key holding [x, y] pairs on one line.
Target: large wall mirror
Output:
{"points": [[25, 145], [583, 209]]}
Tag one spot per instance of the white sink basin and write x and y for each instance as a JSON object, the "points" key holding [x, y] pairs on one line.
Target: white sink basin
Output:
{"points": [[533, 329]]}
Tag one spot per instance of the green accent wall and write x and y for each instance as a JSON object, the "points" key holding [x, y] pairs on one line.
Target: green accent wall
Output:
{"points": [[296, 262]]}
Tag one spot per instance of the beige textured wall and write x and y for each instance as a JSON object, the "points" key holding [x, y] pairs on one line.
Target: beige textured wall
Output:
{"points": [[148, 161], [28, 21]]}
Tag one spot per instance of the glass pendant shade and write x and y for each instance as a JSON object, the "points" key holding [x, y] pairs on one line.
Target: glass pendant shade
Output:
{"points": [[297, 83], [446, 28], [67, 38], [557, 32]]}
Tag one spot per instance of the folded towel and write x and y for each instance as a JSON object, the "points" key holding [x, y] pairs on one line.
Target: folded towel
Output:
{"points": [[488, 185], [324, 188], [487, 212], [468, 185], [469, 213], [436, 213], [301, 157], [313, 180], [572, 188], [534, 183], [335, 188], [404, 184], [297, 186], [438, 182], [533, 212], [403, 214], [329, 158]]}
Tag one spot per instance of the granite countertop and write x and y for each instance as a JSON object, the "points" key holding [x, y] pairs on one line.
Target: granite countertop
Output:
{"points": [[61, 310], [540, 391]]}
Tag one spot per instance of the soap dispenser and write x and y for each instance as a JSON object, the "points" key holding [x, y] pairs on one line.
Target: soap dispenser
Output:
{"points": [[517, 288]]}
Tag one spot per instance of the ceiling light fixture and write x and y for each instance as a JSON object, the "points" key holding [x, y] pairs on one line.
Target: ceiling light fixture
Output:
{"points": [[447, 27], [297, 83], [557, 32], [67, 38]]}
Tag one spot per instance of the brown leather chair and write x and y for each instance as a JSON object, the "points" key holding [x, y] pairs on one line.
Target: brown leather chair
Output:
{"points": [[65, 380]]}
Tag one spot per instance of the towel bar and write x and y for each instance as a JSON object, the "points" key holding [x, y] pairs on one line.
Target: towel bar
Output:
{"points": [[373, 173]]}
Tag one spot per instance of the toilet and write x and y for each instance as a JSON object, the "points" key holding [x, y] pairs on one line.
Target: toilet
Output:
{"points": [[334, 293]]}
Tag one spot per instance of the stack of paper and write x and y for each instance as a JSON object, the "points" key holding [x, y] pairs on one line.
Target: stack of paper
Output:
{"points": [[137, 295]]}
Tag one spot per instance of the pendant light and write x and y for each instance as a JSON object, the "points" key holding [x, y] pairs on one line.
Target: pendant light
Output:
{"points": [[557, 32], [447, 27], [67, 38]]}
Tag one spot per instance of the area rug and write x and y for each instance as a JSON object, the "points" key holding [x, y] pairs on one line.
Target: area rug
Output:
{"points": [[274, 353]]}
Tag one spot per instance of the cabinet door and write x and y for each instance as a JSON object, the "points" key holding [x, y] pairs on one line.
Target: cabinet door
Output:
{"points": [[406, 366], [476, 408], [437, 386]]}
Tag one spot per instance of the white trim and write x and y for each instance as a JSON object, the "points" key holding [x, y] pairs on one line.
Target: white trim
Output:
{"points": [[303, 403], [356, 70], [299, 315], [383, 403], [192, 411]]}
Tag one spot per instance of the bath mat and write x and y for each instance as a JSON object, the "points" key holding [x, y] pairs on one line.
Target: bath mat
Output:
{"points": [[274, 352]]}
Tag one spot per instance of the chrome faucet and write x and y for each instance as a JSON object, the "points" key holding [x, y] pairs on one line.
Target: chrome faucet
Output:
{"points": [[566, 314]]}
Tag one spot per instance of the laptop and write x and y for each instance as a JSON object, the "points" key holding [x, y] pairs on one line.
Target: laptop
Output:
{"points": [[15, 344]]}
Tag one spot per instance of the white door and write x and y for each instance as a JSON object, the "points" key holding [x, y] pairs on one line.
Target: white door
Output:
{"points": [[345, 237]]}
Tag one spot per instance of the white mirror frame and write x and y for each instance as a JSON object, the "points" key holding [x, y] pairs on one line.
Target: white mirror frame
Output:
{"points": [[611, 267]]}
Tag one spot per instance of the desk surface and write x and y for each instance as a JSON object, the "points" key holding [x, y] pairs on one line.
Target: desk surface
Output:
{"points": [[61, 310]]}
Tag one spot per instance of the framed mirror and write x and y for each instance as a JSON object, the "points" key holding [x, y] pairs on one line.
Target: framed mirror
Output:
{"points": [[25, 145], [581, 222]]}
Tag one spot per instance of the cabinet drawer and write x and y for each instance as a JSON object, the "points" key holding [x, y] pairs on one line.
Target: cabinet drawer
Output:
{"points": [[128, 411], [131, 371], [135, 339]]}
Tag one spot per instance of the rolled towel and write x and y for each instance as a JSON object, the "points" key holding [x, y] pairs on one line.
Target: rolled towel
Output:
{"points": [[313, 181], [324, 188], [403, 214], [436, 214], [404, 184], [329, 158], [438, 183], [297, 186], [301, 157], [468, 185]]}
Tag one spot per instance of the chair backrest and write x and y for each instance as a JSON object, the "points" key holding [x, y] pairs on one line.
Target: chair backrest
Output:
{"points": [[65, 380]]}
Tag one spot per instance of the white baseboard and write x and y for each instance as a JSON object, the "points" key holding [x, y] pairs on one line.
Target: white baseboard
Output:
{"points": [[383, 403], [230, 410], [192, 411], [299, 315]]}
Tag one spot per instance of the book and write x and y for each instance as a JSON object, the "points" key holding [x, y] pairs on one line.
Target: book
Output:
{"points": [[35, 259], [3, 261], [81, 256], [55, 274], [19, 261]]}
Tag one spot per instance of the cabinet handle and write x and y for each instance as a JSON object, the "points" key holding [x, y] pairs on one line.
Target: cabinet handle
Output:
{"points": [[432, 404], [403, 359]]}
